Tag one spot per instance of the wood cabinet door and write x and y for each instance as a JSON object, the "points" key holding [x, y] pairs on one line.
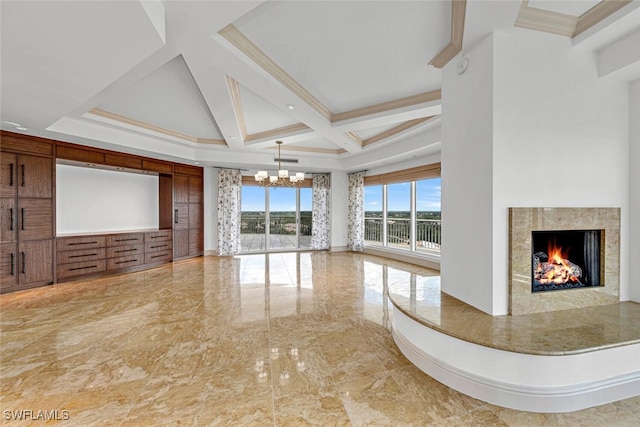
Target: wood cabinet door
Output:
{"points": [[8, 265], [196, 242], [180, 189], [34, 219], [195, 215], [36, 262], [8, 175], [180, 243], [195, 189], [8, 219], [34, 176], [181, 216]]}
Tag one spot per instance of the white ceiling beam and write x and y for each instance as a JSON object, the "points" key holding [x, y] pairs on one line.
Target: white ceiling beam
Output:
{"points": [[619, 54]]}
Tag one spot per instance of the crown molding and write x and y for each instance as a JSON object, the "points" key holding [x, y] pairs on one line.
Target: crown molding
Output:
{"points": [[458, 9], [537, 19], [247, 47], [394, 131], [278, 132], [149, 127], [236, 101], [409, 101]]}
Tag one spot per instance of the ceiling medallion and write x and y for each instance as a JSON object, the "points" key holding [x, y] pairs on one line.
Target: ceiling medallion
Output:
{"points": [[282, 179]]}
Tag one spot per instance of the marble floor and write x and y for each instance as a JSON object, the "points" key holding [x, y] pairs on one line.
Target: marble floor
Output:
{"points": [[283, 339]]}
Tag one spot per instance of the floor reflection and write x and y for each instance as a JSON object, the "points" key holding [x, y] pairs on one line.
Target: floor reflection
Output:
{"points": [[277, 339]]}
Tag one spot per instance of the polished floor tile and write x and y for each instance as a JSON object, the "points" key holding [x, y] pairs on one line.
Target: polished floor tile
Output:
{"points": [[288, 339]]}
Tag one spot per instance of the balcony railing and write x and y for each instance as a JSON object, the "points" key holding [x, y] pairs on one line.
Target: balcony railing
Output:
{"points": [[279, 223], [428, 235]]}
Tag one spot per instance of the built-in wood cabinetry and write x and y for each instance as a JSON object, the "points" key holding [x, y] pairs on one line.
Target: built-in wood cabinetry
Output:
{"points": [[187, 212], [112, 253], [26, 213], [30, 254]]}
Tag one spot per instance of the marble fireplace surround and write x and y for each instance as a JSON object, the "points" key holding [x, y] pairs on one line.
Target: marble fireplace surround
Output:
{"points": [[522, 221]]}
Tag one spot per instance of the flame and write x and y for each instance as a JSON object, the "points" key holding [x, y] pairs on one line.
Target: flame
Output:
{"points": [[557, 270]]}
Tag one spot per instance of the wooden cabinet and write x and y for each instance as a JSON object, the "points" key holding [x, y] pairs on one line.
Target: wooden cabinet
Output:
{"points": [[188, 212], [26, 214], [79, 256]]}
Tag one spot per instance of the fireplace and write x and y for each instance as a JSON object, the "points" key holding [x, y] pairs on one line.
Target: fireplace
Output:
{"points": [[581, 249], [565, 259]]}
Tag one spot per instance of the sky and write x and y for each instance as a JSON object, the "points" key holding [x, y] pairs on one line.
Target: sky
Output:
{"points": [[284, 199], [399, 199]]}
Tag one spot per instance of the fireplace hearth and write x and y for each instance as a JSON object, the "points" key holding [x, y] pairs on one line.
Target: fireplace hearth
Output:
{"points": [[565, 259]]}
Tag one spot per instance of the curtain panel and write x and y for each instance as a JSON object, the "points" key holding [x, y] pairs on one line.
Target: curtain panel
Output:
{"points": [[229, 198], [355, 220], [320, 212]]}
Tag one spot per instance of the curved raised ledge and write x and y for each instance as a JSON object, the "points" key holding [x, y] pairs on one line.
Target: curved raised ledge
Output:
{"points": [[486, 358]]}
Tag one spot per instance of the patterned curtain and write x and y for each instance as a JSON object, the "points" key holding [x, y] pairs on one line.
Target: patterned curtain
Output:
{"points": [[229, 193], [355, 226], [320, 214]]}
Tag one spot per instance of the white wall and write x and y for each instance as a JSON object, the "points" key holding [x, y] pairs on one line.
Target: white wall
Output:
{"points": [[95, 200], [210, 210], [634, 191], [339, 203], [467, 179], [528, 124], [560, 137]]}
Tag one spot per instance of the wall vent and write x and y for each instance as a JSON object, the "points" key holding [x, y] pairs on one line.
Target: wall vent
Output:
{"points": [[276, 159]]}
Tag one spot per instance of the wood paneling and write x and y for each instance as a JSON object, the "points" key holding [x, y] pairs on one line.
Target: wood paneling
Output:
{"points": [[81, 255], [157, 246], [181, 216], [78, 154], [155, 257], [195, 215], [180, 189], [34, 176], [125, 250], [36, 262], [165, 201], [180, 243], [80, 242], [18, 143], [80, 268], [125, 239], [151, 165], [124, 262], [123, 161], [187, 170], [8, 265], [195, 190], [35, 219], [8, 220], [196, 246], [8, 175]]}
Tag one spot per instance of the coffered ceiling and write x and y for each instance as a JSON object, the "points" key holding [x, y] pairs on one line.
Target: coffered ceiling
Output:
{"points": [[346, 85]]}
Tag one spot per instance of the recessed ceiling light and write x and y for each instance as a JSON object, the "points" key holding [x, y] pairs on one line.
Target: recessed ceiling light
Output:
{"points": [[196, 163], [290, 106], [21, 128]]}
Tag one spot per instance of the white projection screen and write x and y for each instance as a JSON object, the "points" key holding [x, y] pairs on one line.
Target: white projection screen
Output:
{"points": [[90, 200]]}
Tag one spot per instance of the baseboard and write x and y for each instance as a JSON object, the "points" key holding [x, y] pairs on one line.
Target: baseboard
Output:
{"points": [[338, 249]]}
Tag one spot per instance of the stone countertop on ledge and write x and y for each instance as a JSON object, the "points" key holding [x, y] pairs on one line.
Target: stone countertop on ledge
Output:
{"points": [[552, 333]]}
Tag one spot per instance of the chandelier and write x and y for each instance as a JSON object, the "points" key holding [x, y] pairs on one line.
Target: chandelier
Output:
{"points": [[283, 178]]}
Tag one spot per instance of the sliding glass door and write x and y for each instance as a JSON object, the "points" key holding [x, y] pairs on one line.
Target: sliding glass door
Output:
{"points": [[275, 218]]}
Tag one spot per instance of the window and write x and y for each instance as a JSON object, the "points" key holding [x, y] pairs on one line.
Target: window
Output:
{"points": [[402, 210]]}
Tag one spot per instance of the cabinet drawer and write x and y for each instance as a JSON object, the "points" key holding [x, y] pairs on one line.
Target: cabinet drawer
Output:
{"points": [[125, 239], [125, 261], [157, 236], [158, 246], [157, 257], [80, 255], [82, 242], [80, 268], [125, 250]]}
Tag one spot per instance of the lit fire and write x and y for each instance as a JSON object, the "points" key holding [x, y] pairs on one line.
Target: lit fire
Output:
{"points": [[557, 269]]}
